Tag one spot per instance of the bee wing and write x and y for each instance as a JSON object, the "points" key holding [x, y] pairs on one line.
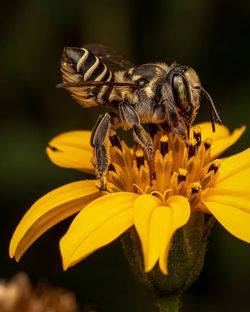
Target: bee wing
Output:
{"points": [[113, 59], [95, 84]]}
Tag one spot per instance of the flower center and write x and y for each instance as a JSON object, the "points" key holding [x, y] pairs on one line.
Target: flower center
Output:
{"points": [[178, 167]]}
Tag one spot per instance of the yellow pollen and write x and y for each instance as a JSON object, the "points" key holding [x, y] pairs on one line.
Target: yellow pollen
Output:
{"points": [[196, 186], [192, 142], [164, 138], [179, 167], [196, 130], [139, 153], [182, 172]]}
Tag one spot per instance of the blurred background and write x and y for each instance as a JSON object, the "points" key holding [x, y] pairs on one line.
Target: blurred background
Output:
{"points": [[211, 36]]}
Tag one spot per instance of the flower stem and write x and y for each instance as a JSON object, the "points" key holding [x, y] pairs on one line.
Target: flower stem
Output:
{"points": [[169, 303]]}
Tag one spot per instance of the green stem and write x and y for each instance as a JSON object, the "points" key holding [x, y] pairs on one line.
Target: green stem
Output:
{"points": [[169, 303]]}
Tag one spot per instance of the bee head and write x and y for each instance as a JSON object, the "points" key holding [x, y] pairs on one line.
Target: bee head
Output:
{"points": [[181, 91], [185, 89]]}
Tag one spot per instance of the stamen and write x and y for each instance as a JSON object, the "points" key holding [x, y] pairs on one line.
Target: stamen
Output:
{"points": [[195, 187], [182, 175], [197, 135], [194, 194], [192, 147], [114, 140], [139, 158], [164, 145], [205, 181], [213, 167], [207, 143]]}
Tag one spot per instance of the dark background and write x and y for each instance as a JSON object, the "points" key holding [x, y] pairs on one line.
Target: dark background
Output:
{"points": [[211, 36]]}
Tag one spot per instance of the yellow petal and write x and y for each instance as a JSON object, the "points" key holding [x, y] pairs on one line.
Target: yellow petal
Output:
{"points": [[207, 132], [48, 211], [156, 225], [72, 150], [231, 167], [159, 236], [232, 198], [101, 222], [180, 213], [235, 220], [143, 209], [221, 138], [220, 145]]}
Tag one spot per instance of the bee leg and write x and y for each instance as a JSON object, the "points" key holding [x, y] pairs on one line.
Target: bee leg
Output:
{"points": [[131, 119], [176, 125], [99, 135]]}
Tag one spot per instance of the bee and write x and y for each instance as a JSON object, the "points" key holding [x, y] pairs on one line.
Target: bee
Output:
{"points": [[152, 93]]}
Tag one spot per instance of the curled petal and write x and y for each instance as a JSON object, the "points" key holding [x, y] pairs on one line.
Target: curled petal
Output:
{"points": [[48, 211], [180, 213], [72, 150], [143, 209], [156, 225], [101, 222]]}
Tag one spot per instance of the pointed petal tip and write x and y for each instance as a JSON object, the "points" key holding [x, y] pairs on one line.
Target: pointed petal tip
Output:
{"points": [[164, 270], [101, 222], [163, 263]]}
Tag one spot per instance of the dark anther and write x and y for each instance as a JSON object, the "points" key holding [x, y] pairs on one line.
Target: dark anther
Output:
{"points": [[181, 177], [195, 190], [111, 168], [214, 168], [115, 141], [197, 136], [53, 148], [153, 129], [163, 147], [139, 158], [207, 145], [191, 151]]}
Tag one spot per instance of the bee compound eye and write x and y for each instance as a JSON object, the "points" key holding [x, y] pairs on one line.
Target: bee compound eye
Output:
{"points": [[142, 82], [180, 91]]}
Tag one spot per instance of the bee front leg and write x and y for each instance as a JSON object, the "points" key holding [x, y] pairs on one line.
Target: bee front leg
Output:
{"points": [[129, 116], [99, 135], [176, 125]]}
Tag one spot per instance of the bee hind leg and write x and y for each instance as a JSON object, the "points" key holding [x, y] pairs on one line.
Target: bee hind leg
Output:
{"points": [[99, 135]]}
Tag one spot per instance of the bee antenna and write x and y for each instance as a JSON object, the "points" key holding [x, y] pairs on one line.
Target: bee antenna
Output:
{"points": [[212, 109]]}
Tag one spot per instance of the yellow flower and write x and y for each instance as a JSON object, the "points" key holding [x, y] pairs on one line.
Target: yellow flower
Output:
{"points": [[156, 197]]}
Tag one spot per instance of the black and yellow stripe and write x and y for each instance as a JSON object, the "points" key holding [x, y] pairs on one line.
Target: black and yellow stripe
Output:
{"points": [[80, 64]]}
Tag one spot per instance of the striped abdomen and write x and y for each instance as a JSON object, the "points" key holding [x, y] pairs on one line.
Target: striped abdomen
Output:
{"points": [[79, 64]]}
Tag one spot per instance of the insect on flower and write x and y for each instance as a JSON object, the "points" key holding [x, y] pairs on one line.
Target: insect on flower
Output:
{"points": [[156, 200], [153, 93]]}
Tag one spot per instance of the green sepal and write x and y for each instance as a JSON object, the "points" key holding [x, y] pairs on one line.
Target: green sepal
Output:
{"points": [[185, 261]]}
